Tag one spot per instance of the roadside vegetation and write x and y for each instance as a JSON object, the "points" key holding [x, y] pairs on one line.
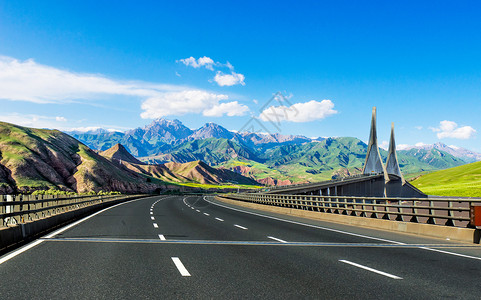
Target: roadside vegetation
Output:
{"points": [[462, 181]]}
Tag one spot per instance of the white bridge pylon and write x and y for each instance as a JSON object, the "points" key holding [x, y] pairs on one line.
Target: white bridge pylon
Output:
{"points": [[374, 164]]}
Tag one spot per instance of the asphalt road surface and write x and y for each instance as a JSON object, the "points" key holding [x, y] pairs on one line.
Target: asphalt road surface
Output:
{"points": [[184, 247]]}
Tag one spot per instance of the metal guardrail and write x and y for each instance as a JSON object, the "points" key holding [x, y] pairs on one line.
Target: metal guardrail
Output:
{"points": [[315, 184], [19, 209], [453, 211]]}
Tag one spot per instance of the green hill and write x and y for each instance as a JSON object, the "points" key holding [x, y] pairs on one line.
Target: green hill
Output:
{"points": [[462, 181]]}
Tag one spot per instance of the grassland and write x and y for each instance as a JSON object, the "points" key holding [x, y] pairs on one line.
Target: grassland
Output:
{"points": [[462, 181]]}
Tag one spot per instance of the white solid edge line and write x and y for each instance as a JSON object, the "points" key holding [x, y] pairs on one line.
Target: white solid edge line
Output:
{"points": [[370, 269], [276, 239], [155, 225], [219, 219], [340, 231], [451, 253], [39, 241], [161, 237], [241, 227], [180, 266], [23, 249]]}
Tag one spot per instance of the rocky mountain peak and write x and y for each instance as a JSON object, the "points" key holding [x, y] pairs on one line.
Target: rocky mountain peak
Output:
{"points": [[211, 130]]}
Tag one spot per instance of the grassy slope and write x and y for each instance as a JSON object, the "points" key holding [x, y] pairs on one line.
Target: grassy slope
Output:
{"points": [[463, 181]]}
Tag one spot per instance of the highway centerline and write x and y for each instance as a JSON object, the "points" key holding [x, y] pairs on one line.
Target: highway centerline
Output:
{"points": [[161, 237], [155, 225], [241, 227], [180, 266], [206, 214], [370, 269], [152, 218], [219, 219]]}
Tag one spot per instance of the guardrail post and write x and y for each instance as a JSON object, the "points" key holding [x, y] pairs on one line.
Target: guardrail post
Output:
{"points": [[450, 222], [400, 216], [431, 219], [363, 208], [414, 218], [374, 208], [10, 209]]}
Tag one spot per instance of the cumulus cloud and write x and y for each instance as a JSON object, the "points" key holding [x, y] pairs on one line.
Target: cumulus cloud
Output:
{"points": [[205, 61], [190, 101], [299, 112], [449, 129], [229, 79], [220, 78], [231, 109], [33, 82]]}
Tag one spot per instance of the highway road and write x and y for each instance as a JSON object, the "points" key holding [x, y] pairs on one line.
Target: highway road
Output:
{"points": [[183, 247]]}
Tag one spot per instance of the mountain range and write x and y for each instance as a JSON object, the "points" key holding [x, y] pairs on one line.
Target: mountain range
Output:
{"points": [[267, 158], [40, 159]]}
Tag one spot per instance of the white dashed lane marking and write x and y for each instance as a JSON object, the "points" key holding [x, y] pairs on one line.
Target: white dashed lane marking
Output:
{"points": [[276, 239], [370, 269], [241, 227], [180, 266]]}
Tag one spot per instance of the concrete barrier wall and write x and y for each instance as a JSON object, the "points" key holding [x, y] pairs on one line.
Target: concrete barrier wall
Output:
{"points": [[12, 236], [454, 233]]}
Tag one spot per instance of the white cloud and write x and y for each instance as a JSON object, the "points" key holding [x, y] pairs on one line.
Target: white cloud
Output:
{"points": [[205, 61], [33, 82], [418, 127], [190, 101], [449, 129], [384, 145], [229, 79], [299, 112], [231, 109], [31, 120]]}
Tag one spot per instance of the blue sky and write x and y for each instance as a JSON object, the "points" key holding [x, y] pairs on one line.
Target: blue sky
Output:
{"points": [[79, 64]]}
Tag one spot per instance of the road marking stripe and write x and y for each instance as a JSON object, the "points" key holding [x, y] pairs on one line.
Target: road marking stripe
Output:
{"points": [[451, 253], [197, 210], [23, 249], [151, 213], [180, 266], [51, 235], [206, 214], [276, 239], [192, 207], [219, 219], [161, 237], [340, 231], [152, 218], [370, 269], [241, 227], [307, 225], [155, 225]]}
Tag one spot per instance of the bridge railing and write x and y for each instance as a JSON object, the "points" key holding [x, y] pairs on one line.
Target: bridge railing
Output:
{"points": [[314, 184], [439, 211], [19, 209]]}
